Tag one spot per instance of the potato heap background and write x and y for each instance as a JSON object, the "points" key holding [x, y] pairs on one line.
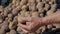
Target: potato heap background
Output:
{"points": [[10, 14]]}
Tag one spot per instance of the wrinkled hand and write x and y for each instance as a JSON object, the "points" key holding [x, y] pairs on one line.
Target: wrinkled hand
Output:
{"points": [[34, 25]]}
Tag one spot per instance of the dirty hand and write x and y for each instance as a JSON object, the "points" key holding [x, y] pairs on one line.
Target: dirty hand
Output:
{"points": [[34, 25]]}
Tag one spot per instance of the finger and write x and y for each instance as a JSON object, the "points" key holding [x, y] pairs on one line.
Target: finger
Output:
{"points": [[25, 27], [24, 30], [24, 19]]}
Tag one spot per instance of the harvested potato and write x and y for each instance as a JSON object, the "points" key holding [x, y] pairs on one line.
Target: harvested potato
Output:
{"points": [[47, 6], [50, 12], [1, 9], [35, 14], [39, 6], [13, 32], [41, 29], [10, 15], [49, 26], [32, 5], [57, 25], [12, 26], [27, 14], [24, 7], [8, 33]]}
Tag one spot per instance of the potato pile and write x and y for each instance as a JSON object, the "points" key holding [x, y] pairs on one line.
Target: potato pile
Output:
{"points": [[9, 15]]}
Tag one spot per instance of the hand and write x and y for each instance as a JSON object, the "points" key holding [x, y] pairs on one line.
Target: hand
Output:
{"points": [[34, 25]]}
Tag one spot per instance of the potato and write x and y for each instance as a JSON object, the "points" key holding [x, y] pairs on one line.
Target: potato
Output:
{"points": [[39, 6], [27, 14], [23, 2], [1, 19], [24, 7], [13, 32], [57, 25], [10, 15], [44, 1], [5, 25], [16, 10], [37, 1], [41, 15], [35, 14], [53, 7], [40, 30], [5, 13], [1, 8], [49, 26], [18, 29], [8, 33], [12, 25], [22, 13], [32, 5], [47, 6], [50, 12]]}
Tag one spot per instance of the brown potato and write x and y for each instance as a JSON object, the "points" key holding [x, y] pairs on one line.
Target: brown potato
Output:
{"points": [[1, 9], [10, 15], [12, 25], [27, 14], [13, 32], [8, 33], [35, 14]]}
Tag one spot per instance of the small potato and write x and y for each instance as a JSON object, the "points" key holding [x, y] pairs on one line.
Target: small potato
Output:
{"points": [[39, 6], [24, 7], [32, 5], [41, 15], [37, 1], [53, 1], [18, 29], [10, 15], [14, 1], [44, 1], [50, 12], [57, 25], [8, 33], [1, 19], [13, 32], [15, 19], [47, 6], [23, 2], [49, 26], [35, 14], [12, 26], [53, 7], [10, 19], [16, 10], [5, 26], [22, 13], [40, 30], [27, 14], [1, 8]]}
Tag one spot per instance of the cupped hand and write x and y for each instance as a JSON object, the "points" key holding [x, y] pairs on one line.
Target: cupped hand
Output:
{"points": [[36, 22]]}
